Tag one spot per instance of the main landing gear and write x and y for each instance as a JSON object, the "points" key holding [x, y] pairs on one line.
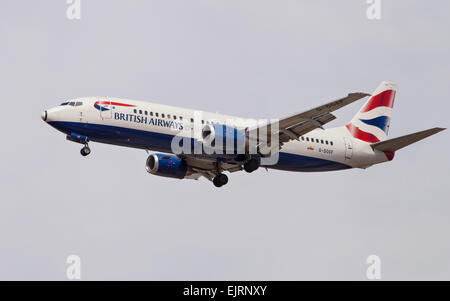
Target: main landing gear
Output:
{"points": [[220, 180], [85, 151], [251, 165]]}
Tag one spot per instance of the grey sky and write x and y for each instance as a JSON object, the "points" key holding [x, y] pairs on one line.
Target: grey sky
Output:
{"points": [[247, 58]]}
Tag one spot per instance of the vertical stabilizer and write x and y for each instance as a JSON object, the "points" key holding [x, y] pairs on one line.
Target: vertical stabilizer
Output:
{"points": [[371, 123]]}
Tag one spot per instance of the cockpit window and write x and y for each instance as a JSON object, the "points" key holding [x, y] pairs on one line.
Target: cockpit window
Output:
{"points": [[72, 103]]}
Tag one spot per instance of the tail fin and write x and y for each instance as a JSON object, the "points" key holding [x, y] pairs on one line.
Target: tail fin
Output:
{"points": [[371, 123]]}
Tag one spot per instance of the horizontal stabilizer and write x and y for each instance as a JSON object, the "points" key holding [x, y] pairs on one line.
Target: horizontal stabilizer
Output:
{"points": [[395, 144]]}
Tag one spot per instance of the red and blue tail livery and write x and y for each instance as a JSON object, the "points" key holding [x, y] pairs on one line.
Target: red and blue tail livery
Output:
{"points": [[371, 123]]}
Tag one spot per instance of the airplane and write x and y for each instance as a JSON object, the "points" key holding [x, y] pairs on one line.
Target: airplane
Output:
{"points": [[299, 142]]}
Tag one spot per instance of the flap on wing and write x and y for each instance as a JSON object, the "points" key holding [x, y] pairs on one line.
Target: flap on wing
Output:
{"points": [[304, 127], [296, 125], [321, 110], [208, 166]]}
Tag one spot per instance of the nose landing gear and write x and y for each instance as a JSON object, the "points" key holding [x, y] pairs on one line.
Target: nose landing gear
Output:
{"points": [[85, 151], [74, 137]]}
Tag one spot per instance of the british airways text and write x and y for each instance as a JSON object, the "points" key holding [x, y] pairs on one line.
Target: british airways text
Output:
{"points": [[149, 120]]}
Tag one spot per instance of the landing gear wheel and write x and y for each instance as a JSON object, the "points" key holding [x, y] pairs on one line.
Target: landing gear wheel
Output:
{"points": [[251, 165], [223, 179], [220, 180], [85, 151]]}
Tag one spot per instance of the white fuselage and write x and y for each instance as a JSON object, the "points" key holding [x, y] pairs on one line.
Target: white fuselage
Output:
{"points": [[151, 126]]}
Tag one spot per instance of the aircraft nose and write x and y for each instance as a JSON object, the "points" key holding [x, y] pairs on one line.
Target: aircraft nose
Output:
{"points": [[44, 115]]}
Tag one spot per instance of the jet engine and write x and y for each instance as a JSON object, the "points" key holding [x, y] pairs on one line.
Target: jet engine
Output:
{"points": [[166, 166]]}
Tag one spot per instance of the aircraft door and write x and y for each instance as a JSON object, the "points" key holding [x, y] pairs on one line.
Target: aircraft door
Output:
{"points": [[348, 148], [79, 108]]}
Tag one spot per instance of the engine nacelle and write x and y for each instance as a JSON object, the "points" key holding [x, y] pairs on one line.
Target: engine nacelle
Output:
{"points": [[225, 138], [166, 166]]}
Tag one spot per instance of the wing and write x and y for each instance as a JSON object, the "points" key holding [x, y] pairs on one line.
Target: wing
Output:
{"points": [[288, 128], [294, 126]]}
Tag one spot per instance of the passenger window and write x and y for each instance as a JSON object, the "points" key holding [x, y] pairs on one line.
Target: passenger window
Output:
{"points": [[326, 142], [203, 122], [140, 112], [168, 116], [157, 114], [151, 113], [331, 142], [181, 117], [321, 141], [192, 119], [163, 116], [303, 138], [175, 117], [307, 139], [317, 140], [135, 111], [146, 113]]}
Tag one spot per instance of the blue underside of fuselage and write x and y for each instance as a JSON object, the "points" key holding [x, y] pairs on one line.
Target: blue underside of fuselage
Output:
{"points": [[162, 143]]}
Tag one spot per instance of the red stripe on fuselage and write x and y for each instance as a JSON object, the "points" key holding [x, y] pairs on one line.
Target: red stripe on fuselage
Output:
{"points": [[114, 103], [384, 99], [361, 135]]}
